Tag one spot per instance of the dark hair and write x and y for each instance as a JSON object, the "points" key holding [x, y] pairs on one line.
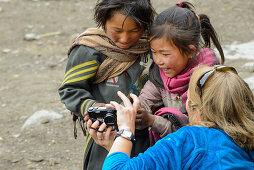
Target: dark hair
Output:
{"points": [[183, 27], [141, 11]]}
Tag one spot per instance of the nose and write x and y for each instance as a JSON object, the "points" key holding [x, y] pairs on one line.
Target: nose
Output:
{"points": [[157, 59], [124, 38]]}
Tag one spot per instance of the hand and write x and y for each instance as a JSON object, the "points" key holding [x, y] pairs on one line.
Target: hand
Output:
{"points": [[144, 119], [99, 105], [86, 118], [104, 136], [126, 114]]}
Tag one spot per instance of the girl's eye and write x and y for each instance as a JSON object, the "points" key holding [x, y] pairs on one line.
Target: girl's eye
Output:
{"points": [[118, 31], [136, 30], [165, 54]]}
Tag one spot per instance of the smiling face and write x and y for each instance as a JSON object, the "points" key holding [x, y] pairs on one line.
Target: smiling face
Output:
{"points": [[124, 32], [168, 57]]}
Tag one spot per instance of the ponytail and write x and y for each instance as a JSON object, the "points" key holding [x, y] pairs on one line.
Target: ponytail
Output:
{"points": [[208, 33]]}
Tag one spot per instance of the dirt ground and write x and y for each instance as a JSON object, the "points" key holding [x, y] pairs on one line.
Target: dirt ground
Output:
{"points": [[34, 38]]}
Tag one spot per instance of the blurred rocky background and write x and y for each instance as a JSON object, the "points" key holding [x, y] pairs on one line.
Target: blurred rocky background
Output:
{"points": [[36, 131]]}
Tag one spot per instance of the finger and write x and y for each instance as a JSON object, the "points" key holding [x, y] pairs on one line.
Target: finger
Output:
{"points": [[141, 109], [92, 127], [139, 115], [86, 118], [126, 101], [95, 124], [108, 132], [100, 131], [89, 123], [136, 102], [109, 106], [102, 128], [138, 120], [115, 104]]}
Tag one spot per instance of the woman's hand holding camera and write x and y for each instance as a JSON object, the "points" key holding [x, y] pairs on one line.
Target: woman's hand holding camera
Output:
{"points": [[126, 115], [104, 136]]}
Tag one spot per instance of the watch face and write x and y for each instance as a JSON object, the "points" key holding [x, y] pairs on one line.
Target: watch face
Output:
{"points": [[127, 133]]}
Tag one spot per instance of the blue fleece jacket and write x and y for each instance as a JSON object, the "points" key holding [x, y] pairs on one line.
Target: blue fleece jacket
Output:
{"points": [[188, 148]]}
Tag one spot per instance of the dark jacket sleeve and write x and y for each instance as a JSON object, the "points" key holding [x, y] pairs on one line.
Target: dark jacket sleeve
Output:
{"points": [[75, 90]]}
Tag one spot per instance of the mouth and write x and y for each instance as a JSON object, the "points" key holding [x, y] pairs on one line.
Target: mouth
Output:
{"points": [[124, 45], [165, 69]]}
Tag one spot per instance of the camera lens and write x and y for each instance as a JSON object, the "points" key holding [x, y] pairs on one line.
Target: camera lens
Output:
{"points": [[110, 119]]}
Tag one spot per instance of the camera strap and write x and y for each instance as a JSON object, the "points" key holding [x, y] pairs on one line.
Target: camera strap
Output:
{"points": [[81, 123]]}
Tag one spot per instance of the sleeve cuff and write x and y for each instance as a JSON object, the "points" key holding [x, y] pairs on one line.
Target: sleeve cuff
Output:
{"points": [[85, 105], [162, 126]]}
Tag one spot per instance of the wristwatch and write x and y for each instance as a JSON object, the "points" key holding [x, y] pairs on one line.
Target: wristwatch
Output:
{"points": [[127, 134]]}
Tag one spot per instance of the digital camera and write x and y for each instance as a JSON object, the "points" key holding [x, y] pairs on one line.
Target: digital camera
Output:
{"points": [[103, 114]]}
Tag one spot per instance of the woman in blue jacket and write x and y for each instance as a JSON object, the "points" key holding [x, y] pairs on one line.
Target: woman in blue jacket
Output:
{"points": [[220, 135]]}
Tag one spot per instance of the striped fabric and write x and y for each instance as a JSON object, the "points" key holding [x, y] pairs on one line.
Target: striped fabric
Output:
{"points": [[81, 72], [85, 105]]}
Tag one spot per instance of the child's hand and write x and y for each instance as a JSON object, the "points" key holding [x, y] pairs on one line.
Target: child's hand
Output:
{"points": [[99, 105], [144, 119], [86, 118], [103, 136]]}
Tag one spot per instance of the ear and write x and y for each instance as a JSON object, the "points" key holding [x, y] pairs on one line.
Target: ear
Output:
{"points": [[198, 114], [193, 50]]}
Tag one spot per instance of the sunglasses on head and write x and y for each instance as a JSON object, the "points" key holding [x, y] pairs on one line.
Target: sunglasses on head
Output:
{"points": [[203, 79]]}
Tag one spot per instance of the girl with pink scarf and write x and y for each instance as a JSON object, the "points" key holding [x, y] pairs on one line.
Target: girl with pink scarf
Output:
{"points": [[175, 39]]}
